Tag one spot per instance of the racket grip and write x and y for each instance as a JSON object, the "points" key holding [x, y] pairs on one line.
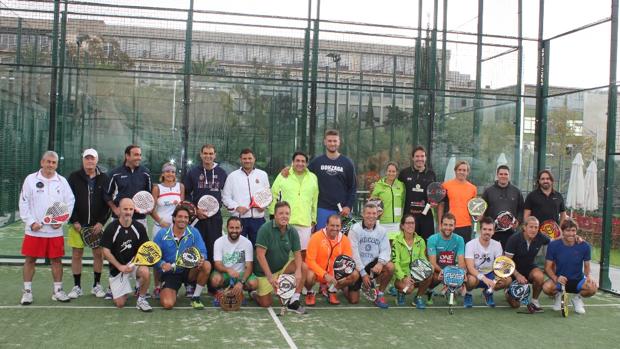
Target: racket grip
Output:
{"points": [[339, 207], [426, 208], [405, 289]]}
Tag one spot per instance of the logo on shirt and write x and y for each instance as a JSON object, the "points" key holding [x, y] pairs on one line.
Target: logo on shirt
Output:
{"points": [[332, 170], [126, 245], [446, 258], [417, 189]]}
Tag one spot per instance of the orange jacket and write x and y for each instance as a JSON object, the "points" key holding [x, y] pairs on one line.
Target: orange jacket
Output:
{"points": [[322, 252]]}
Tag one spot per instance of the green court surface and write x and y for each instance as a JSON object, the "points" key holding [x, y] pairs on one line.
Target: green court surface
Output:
{"points": [[90, 322]]}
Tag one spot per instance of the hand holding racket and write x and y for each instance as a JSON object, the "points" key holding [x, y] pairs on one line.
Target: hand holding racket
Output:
{"points": [[347, 221], [476, 207], [551, 229], [453, 278], [503, 267], [370, 291], [57, 213], [209, 205], [91, 237], [435, 192], [419, 270], [261, 199], [231, 299], [144, 202], [505, 221], [564, 302], [190, 258], [343, 266], [148, 254]]}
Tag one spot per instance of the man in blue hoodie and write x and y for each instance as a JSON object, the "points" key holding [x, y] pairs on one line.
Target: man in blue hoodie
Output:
{"points": [[173, 241], [371, 252]]}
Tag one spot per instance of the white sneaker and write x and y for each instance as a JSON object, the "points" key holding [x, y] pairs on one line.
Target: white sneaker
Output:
{"points": [[578, 304], [557, 303], [76, 291], [60, 296], [98, 291], [26, 298], [535, 302], [143, 305]]}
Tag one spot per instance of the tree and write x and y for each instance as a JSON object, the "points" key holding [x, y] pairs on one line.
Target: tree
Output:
{"points": [[369, 116], [100, 51]]}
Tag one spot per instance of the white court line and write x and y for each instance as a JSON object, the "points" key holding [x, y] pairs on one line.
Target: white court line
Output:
{"points": [[132, 308], [288, 338]]}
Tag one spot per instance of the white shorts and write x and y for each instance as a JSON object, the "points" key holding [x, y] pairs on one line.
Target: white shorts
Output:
{"points": [[304, 235], [120, 284]]}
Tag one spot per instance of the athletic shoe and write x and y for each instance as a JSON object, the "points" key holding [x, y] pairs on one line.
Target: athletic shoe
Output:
{"points": [[98, 291], [295, 307], [197, 304], [535, 305], [75, 292], [578, 304], [60, 296], [310, 299], [137, 293], [108, 294], [143, 305], [488, 299], [400, 299], [333, 298], [557, 303], [26, 298], [156, 292], [393, 291], [380, 302], [429, 297], [419, 303], [254, 296], [189, 291], [468, 300]]}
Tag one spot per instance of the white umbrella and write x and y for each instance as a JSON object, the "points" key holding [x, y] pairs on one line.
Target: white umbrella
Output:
{"points": [[591, 189], [450, 169], [576, 184], [501, 160]]}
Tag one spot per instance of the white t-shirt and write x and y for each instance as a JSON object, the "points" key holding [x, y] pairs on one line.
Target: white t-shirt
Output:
{"points": [[483, 257], [233, 255]]}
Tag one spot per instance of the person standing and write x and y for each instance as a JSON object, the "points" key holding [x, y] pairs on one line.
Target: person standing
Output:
{"points": [[416, 179], [391, 192], [90, 210], [503, 197], [544, 202], [459, 192], [39, 191]]}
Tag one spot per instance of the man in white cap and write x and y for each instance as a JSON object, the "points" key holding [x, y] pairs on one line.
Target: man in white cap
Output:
{"points": [[39, 191], [90, 211]]}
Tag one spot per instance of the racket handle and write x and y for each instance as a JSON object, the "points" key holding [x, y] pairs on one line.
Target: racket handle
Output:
{"points": [[131, 264], [339, 207], [405, 289], [426, 208]]}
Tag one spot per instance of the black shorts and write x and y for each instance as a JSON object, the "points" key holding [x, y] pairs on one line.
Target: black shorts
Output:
{"points": [[464, 232], [527, 270], [572, 286], [502, 237], [358, 284], [174, 280], [425, 225]]}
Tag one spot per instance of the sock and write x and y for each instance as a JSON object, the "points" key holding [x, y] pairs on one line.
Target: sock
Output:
{"points": [[97, 279], [28, 285], [198, 291], [295, 297], [77, 280], [332, 288], [57, 286]]}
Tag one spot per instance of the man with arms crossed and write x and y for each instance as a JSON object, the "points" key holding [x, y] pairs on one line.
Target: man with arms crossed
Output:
{"points": [[120, 242], [39, 191], [275, 243], [568, 264], [371, 252]]}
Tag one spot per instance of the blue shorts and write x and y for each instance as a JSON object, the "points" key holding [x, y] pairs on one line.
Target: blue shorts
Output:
{"points": [[572, 286], [321, 217], [489, 275]]}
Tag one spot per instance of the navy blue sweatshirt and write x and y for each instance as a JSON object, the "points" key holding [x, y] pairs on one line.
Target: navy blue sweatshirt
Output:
{"points": [[337, 181]]}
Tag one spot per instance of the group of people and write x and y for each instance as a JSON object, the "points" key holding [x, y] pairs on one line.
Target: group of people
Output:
{"points": [[304, 235]]}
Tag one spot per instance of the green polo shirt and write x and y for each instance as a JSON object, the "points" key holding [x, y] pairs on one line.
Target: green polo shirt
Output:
{"points": [[278, 245]]}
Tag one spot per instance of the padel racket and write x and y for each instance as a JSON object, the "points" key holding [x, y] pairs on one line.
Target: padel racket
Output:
{"points": [[453, 278], [190, 258], [343, 266], [90, 238], [261, 198], [379, 204], [347, 222], [505, 221], [371, 292], [503, 267], [209, 204], [435, 192], [564, 302], [285, 290], [521, 293], [148, 254], [476, 207], [144, 202], [420, 270], [551, 229], [57, 213], [229, 301]]}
